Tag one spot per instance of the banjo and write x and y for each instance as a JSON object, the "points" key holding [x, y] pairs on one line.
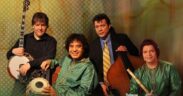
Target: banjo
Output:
{"points": [[16, 62]]}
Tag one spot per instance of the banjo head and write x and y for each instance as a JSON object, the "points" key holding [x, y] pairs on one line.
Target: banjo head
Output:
{"points": [[14, 64]]}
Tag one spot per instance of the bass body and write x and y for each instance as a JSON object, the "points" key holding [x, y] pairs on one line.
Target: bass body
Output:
{"points": [[118, 77]]}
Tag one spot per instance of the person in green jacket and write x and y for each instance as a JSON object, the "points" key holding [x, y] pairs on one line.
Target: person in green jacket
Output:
{"points": [[159, 77], [77, 76]]}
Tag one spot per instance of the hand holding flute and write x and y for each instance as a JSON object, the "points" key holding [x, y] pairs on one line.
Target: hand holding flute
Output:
{"points": [[138, 81]]}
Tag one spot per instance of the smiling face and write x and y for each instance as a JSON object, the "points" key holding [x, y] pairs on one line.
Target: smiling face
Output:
{"points": [[102, 28], [39, 24], [39, 29], [76, 49], [149, 54]]}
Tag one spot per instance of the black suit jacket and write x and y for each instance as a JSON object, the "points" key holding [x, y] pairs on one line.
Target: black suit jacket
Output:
{"points": [[116, 40]]}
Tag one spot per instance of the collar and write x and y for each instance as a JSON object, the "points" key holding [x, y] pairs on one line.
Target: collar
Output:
{"points": [[44, 37], [83, 60], [107, 39]]}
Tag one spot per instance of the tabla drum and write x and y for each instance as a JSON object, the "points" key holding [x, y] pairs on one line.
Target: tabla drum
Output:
{"points": [[36, 86]]}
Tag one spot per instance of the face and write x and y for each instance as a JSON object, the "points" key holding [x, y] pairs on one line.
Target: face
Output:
{"points": [[102, 28], [76, 49], [149, 54], [39, 28]]}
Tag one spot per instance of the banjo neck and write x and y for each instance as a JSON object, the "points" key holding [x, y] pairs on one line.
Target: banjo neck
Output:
{"points": [[21, 39], [25, 8]]}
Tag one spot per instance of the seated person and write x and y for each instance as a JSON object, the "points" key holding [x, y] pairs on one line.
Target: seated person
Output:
{"points": [[158, 76], [77, 76]]}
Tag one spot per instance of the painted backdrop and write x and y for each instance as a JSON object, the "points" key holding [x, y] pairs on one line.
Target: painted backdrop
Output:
{"points": [[161, 20]]}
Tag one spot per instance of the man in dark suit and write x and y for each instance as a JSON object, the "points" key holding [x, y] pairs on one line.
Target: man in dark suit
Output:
{"points": [[115, 42]]}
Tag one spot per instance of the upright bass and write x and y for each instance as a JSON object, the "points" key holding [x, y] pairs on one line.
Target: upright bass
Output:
{"points": [[118, 77]]}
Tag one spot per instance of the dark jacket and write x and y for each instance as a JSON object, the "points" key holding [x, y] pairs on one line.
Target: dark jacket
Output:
{"points": [[116, 40]]}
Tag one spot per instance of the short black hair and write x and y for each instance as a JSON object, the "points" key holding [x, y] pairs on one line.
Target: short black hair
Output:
{"points": [[100, 17], [40, 17], [82, 39], [149, 42]]}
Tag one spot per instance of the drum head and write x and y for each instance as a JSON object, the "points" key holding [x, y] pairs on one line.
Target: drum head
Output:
{"points": [[37, 85]]}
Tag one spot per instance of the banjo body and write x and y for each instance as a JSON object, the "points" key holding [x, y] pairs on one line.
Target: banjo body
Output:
{"points": [[15, 63]]}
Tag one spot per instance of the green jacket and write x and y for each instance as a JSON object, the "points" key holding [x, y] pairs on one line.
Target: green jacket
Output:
{"points": [[163, 80], [75, 78]]}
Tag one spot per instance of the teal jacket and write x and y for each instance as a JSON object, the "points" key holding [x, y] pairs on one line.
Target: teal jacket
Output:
{"points": [[75, 78], [163, 80]]}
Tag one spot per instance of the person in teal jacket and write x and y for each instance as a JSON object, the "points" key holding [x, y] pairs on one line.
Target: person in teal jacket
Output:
{"points": [[159, 77], [77, 76]]}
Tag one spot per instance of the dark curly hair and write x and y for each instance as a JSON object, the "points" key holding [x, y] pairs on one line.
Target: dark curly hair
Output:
{"points": [[150, 42], [100, 17], [82, 39]]}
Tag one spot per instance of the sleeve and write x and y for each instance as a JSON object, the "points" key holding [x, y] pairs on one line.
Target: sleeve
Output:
{"points": [[132, 49], [55, 62], [87, 84], [134, 87], [9, 53], [50, 54], [175, 82], [96, 58]]}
